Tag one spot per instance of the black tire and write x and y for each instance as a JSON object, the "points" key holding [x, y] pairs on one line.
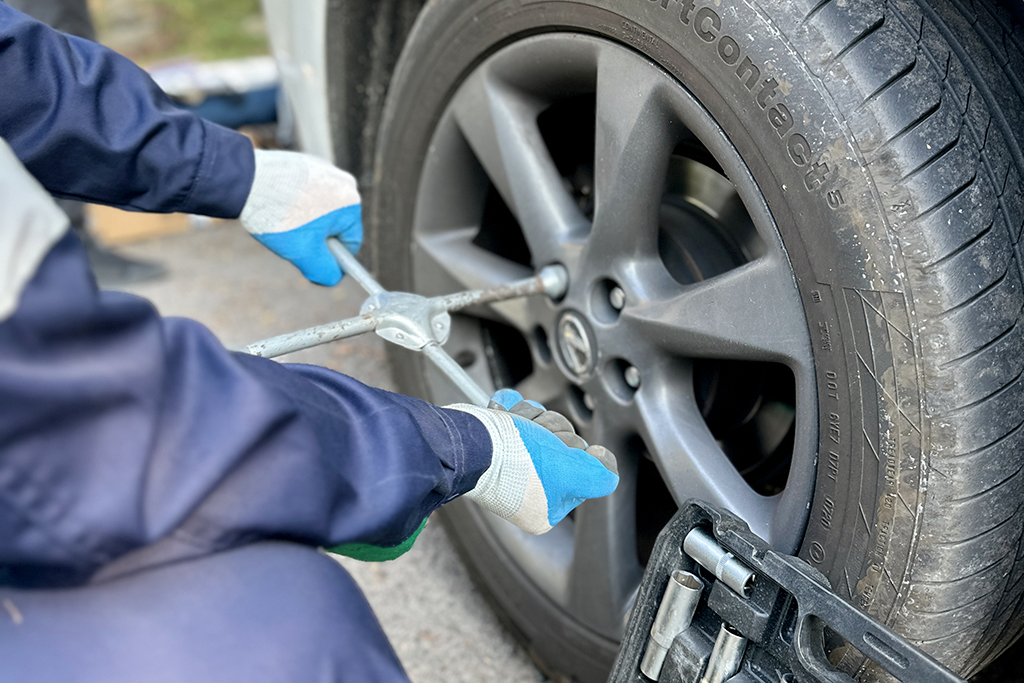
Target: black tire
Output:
{"points": [[898, 191]]}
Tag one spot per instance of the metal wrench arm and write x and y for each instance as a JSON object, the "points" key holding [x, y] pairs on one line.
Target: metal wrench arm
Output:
{"points": [[457, 375], [351, 266], [312, 336]]}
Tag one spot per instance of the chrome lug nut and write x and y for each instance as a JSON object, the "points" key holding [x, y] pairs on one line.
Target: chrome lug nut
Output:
{"points": [[632, 377], [617, 298]]}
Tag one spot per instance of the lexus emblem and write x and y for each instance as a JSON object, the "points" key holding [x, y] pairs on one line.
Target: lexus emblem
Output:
{"points": [[575, 345]]}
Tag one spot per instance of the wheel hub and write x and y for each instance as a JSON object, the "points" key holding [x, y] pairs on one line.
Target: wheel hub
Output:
{"points": [[577, 347]]}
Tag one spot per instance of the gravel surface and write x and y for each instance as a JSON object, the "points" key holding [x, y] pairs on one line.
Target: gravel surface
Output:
{"points": [[437, 621]]}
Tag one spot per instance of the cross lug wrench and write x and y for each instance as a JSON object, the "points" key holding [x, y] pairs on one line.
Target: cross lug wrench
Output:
{"points": [[414, 322]]}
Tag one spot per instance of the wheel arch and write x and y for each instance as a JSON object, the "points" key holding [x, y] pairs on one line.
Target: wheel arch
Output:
{"points": [[364, 42]]}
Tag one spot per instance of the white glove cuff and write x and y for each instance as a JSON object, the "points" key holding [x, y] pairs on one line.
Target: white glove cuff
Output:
{"points": [[510, 488], [276, 186], [500, 488], [290, 189]]}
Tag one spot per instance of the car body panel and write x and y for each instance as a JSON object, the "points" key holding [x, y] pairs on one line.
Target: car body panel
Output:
{"points": [[298, 36]]}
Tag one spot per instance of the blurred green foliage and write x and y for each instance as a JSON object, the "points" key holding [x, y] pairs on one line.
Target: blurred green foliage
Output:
{"points": [[215, 29], [152, 30]]}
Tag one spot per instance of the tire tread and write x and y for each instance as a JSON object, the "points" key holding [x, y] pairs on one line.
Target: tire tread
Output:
{"points": [[948, 99]]}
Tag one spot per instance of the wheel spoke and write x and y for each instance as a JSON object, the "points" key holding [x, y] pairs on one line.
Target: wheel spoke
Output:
{"points": [[449, 262], [605, 571], [467, 265], [500, 124], [635, 134], [547, 387], [750, 313], [690, 461]]}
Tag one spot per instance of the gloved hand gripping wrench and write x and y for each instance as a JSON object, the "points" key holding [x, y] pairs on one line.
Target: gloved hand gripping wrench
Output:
{"points": [[411, 321]]}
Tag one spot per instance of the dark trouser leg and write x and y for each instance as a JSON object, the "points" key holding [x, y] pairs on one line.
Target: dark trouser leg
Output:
{"points": [[266, 612]]}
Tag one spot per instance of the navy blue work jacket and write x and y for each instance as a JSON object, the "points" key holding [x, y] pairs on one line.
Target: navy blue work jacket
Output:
{"points": [[124, 434]]}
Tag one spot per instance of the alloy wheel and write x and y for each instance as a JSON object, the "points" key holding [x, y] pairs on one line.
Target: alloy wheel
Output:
{"points": [[681, 343]]}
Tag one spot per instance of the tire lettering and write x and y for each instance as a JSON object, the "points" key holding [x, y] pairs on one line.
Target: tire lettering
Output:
{"points": [[883, 540], [707, 26], [700, 24], [638, 36], [835, 199], [828, 507], [685, 7], [890, 469], [817, 553], [728, 50], [832, 385], [781, 119], [833, 465], [826, 337], [816, 176], [749, 71], [769, 89], [799, 149]]}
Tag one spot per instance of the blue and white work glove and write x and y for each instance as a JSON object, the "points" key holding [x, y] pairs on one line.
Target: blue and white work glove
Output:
{"points": [[297, 201], [540, 468]]}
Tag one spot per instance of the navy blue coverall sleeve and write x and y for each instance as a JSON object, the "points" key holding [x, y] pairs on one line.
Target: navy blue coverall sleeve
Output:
{"points": [[91, 125], [120, 428]]}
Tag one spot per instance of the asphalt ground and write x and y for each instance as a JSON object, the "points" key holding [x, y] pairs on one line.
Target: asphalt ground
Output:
{"points": [[437, 621]]}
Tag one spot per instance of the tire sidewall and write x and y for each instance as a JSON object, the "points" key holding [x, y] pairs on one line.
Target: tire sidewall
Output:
{"points": [[827, 207]]}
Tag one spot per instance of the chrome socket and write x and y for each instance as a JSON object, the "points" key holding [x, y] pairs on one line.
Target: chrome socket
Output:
{"points": [[726, 657], [674, 616], [555, 279], [703, 548]]}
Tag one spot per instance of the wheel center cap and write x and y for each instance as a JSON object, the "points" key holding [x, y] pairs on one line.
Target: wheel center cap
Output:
{"points": [[576, 344]]}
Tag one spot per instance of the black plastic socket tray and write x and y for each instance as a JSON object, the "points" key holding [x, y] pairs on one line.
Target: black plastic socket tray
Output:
{"points": [[784, 617]]}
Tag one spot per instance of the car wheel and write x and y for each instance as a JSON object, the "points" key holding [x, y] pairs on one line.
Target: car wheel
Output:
{"points": [[791, 231]]}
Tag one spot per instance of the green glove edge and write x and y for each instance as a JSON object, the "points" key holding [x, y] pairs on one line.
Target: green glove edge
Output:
{"points": [[366, 552]]}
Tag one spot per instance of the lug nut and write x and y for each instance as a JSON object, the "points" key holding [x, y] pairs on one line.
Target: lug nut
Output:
{"points": [[588, 401], [617, 298], [632, 377]]}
